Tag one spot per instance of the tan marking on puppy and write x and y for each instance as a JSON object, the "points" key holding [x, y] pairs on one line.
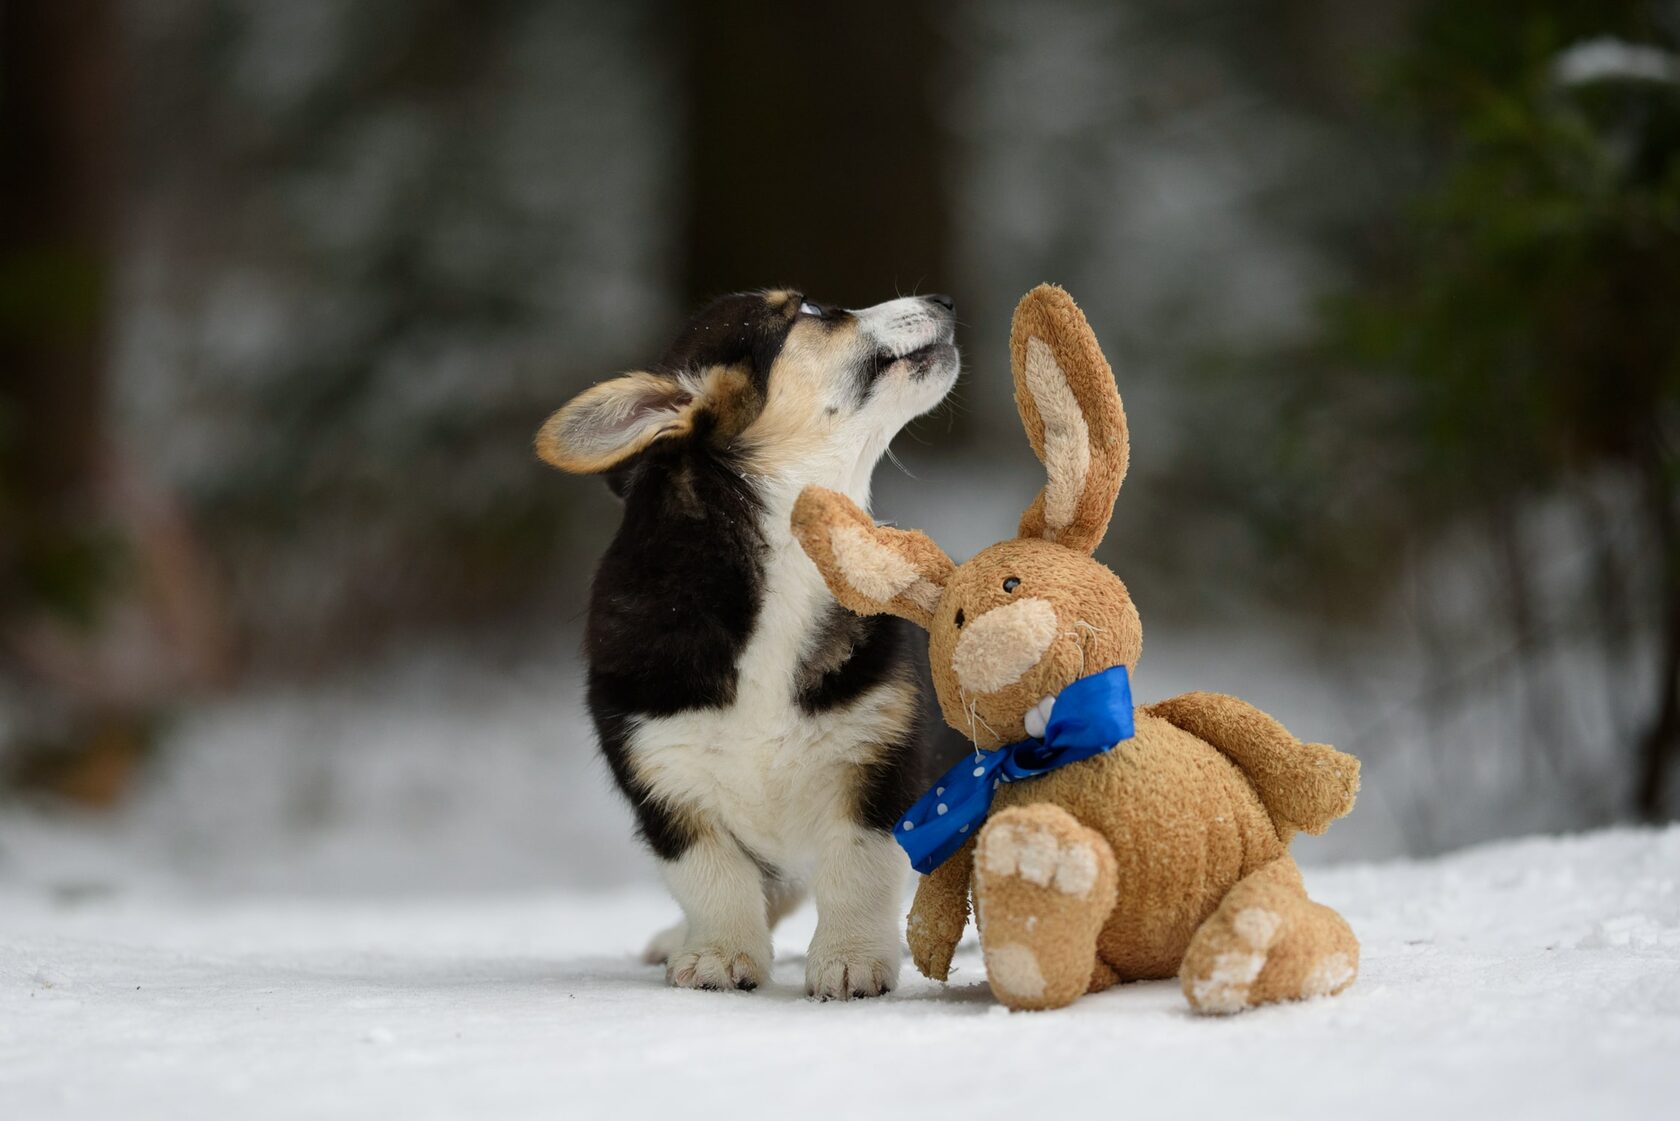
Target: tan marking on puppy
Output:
{"points": [[646, 780], [897, 705], [734, 401], [1004, 643], [797, 423]]}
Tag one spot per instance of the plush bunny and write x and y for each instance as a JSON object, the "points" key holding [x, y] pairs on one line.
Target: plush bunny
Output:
{"points": [[1101, 843]]}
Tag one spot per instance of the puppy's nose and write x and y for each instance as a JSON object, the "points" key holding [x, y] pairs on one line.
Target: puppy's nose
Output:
{"points": [[942, 300]]}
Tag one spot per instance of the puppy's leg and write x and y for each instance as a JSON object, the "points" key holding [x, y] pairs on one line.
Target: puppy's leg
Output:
{"points": [[665, 943], [781, 899], [859, 891], [726, 938]]}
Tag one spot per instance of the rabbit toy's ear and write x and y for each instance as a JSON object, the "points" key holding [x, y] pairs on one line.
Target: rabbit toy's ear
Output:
{"points": [[1071, 410], [871, 569]]}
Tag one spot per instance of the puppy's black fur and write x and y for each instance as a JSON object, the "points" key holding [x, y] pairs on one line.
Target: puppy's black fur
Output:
{"points": [[677, 595]]}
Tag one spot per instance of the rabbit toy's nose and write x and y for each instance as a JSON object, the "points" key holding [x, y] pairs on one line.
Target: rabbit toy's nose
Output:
{"points": [[998, 647]]}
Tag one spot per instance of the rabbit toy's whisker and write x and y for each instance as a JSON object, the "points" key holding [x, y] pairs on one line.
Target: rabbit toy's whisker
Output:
{"points": [[1077, 624], [970, 706], [1074, 634], [973, 736]]}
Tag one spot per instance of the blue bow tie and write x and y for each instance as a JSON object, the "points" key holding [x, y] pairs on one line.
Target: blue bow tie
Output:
{"points": [[1090, 717]]}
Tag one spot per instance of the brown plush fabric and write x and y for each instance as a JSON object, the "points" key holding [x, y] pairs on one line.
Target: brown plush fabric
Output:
{"points": [[939, 915], [1096, 627], [1268, 942], [1167, 855], [838, 536], [1304, 785], [1044, 885], [1050, 316], [1184, 824]]}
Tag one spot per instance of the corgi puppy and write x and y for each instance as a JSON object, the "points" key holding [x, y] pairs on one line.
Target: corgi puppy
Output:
{"points": [[766, 738]]}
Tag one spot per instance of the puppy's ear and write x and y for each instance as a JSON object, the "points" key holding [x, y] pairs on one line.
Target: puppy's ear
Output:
{"points": [[1071, 410], [871, 569], [605, 425]]}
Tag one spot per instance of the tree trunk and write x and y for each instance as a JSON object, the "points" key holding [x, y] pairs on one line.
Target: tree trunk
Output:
{"points": [[815, 156], [57, 146], [1661, 742]]}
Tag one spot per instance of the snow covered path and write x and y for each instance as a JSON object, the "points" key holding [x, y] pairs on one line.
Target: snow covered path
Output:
{"points": [[1530, 979]]}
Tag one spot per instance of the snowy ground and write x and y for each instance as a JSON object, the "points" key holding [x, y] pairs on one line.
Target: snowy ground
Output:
{"points": [[1532, 979]]}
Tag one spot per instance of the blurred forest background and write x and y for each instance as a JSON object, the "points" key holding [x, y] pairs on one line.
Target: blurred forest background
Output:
{"points": [[1392, 290]]}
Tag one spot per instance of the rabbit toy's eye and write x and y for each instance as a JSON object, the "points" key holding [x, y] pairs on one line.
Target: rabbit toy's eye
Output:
{"points": [[1012, 583], [959, 618]]}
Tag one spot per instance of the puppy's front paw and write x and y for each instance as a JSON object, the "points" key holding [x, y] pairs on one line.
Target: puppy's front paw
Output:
{"points": [[716, 967], [844, 972]]}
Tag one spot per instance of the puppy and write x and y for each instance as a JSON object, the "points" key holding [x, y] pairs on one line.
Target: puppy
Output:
{"points": [[766, 738]]}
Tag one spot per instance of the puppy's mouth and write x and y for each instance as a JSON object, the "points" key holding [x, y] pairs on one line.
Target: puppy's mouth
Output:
{"points": [[917, 363]]}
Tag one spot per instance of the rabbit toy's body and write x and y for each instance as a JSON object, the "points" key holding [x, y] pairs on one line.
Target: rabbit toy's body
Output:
{"points": [[1168, 853], [1182, 824]]}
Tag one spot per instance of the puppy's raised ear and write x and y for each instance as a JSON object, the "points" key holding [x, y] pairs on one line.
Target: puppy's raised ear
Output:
{"points": [[1071, 410], [608, 423], [871, 569]]}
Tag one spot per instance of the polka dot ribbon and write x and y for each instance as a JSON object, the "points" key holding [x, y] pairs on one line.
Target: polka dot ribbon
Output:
{"points": [[1089, 717]]}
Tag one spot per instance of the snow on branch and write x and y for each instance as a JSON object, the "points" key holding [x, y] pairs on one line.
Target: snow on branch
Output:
{"points": [[1610, 59]]}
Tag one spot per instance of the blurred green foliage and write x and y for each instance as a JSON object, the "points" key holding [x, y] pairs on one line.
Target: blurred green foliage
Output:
{"points": [[1501, 356], [1510, 323]]}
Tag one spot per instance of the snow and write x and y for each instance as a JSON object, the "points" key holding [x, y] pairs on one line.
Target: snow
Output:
{"points": [[1607, 58], [1537, 978]]}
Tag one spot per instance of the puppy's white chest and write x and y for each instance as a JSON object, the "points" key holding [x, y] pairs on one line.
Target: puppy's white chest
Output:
{"points": [[766, 772], [762, 767]]}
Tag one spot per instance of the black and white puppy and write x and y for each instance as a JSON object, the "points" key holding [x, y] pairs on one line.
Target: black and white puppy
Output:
{"points": [[766, 737]]}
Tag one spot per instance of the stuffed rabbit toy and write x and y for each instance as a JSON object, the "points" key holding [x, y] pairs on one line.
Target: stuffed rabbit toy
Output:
{"points": [[1100, 843]]}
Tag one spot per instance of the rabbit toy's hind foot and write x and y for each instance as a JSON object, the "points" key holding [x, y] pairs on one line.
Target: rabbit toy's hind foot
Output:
{"points": [[1044, 885], [1268, 942]]}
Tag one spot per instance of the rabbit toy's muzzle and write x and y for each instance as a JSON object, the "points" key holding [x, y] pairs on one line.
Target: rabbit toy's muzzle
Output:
{"points": [[1000, 646]]}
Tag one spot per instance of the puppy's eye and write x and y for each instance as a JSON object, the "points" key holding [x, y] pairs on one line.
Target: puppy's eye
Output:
{"points": [[959, 618], [806, 307], [1012, 583]]}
